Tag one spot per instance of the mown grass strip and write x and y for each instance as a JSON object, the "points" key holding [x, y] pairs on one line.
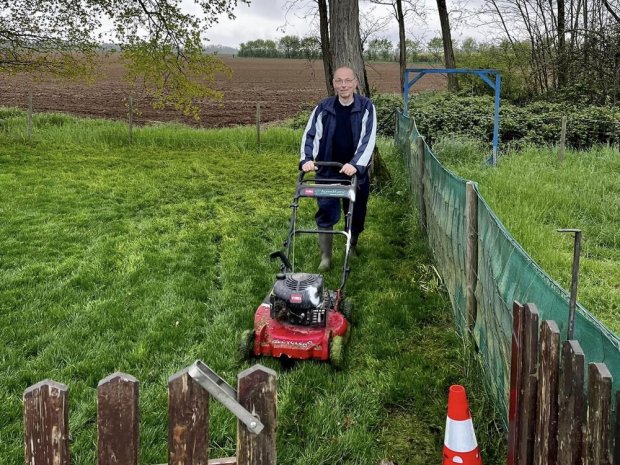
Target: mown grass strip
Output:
{"points": [[144, 258]]}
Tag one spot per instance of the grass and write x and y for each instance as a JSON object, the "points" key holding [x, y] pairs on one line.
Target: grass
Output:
{"points": [[146, 257], [534, 195]]}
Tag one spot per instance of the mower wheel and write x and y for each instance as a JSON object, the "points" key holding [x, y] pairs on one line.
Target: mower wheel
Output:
{"points": [[336, 351], [246, 344], [347, 309]]}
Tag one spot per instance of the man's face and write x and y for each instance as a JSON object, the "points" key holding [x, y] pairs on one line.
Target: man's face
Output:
{"points": [[344, 83]]}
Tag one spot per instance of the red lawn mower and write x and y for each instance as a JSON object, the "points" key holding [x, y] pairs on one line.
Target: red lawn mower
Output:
{"points": [[300, 319]]}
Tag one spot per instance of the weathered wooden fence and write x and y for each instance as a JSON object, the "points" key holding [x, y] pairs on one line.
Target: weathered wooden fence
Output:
{"points": [[46, 425], [551, 419]]}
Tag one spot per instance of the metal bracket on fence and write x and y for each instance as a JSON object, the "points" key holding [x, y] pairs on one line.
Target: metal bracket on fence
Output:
{"points": [[574, 281], [224, 393]]}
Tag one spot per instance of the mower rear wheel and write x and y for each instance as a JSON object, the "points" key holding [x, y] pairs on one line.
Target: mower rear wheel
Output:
{"points": [[347, 309], [336, 351], [246, 344]]}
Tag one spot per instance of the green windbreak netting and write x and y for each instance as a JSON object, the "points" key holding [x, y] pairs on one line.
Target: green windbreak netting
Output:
{"points": [[505, 272]]}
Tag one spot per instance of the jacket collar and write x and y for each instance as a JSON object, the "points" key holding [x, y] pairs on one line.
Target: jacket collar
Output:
{"points": [[357, 103]]}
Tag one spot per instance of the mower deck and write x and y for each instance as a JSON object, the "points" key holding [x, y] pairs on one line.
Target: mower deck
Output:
{"points": [[278, 338]]}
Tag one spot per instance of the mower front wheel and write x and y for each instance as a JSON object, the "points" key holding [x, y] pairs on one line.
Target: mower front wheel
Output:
{"points": [[336, 351], [246, 344]]}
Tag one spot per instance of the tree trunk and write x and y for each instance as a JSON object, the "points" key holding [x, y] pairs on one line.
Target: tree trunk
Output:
{"points": [[448, 51], [345, 41], [325, 47], [346, 48], [562, 72], [402, 59]]}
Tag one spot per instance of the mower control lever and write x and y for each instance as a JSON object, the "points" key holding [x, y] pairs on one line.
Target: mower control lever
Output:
{"points": [[279, 254]]}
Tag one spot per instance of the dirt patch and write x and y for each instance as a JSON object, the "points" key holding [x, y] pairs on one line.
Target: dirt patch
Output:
{"points": [[282, 87]]}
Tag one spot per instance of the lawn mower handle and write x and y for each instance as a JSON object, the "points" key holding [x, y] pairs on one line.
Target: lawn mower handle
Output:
{"points": [[333, 164]]}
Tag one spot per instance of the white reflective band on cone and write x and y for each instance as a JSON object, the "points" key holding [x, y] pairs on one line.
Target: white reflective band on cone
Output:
{"points": [[460, 435]]}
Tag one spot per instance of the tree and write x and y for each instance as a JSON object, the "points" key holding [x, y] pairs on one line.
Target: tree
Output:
{"points": [[448, 51], [379, 49], [413, 49], [290, 46], [160, 43], [574, 45], [402, 9], [310, 48], [435, 47], [344, 38]]}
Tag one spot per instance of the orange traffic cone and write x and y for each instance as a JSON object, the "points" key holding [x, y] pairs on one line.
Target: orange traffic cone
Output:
{"points": [[460, 444]]}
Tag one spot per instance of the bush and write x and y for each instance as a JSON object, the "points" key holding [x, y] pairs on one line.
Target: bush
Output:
{"points": [[540, 123]]}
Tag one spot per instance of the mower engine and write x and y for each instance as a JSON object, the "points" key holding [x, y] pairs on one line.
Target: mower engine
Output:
{"points": [[299, 299]]}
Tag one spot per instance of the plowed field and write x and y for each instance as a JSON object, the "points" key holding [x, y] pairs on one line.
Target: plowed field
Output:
{"points": [[282, 87]]}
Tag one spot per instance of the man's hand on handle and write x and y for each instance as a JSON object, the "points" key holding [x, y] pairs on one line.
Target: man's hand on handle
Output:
{"points": [[308, 166], [348, 169]]}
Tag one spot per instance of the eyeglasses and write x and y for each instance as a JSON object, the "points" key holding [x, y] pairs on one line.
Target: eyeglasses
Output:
{"points": [[339, 82]]}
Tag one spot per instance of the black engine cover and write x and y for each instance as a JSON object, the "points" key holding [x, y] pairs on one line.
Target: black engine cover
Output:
{"points": [[298, 298]]}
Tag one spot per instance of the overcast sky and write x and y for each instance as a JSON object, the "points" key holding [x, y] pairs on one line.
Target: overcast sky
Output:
{"points": [[267, 19]]}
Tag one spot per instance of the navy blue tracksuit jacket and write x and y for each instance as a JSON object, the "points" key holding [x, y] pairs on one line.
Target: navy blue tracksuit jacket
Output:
{"points": [[316, 145]]}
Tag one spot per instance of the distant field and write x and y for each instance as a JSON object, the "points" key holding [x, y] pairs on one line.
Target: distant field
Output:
{"points": [[281, 86]]}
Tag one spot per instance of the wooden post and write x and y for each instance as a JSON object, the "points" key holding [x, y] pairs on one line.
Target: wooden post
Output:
{"points": [[258, 126], [548, 378], [46, 426], [597, 443], [117, 420], [257, 392], [570, 404], [529, 386], [516, 374], [30, 114], [471, 253], [617, 434], [188, 421], [421, 182], [562, 139], [130, 103]]}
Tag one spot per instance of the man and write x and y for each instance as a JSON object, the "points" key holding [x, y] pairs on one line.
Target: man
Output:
{"points": [[342, 128]]}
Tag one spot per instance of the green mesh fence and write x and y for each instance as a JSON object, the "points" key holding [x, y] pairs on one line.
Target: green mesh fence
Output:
{"points": [[505, 272]]}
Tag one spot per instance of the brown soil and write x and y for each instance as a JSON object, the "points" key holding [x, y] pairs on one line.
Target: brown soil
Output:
{"points": [[282, 87]]}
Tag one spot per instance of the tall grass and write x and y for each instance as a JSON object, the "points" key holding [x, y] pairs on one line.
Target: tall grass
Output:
{"points": [[534, 195], [146, 257]]}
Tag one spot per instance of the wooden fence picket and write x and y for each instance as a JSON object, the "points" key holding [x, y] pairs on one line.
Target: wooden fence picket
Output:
{"points": [[548, 378], [571, 404], [516, 374], [188, 421], [118, 420], [617, 433], [46, 426], [257, 393], [597, 450], [529, 386]]}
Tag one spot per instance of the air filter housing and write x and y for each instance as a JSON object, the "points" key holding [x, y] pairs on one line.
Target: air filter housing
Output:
{"points": [[299, 299]]}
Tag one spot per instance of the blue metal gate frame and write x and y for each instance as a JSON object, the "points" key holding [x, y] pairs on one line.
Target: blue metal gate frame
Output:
{"points": [[485, 74]]}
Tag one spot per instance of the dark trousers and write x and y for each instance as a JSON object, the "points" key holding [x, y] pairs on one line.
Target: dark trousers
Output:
{"points": [[329, 209]]}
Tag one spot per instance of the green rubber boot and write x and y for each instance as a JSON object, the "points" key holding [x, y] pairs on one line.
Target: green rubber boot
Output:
{"points": [[354, 251], [326, 242]]}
